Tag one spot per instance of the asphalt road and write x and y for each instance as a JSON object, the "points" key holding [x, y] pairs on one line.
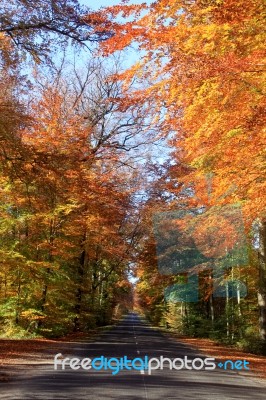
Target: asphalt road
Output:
{"points": [[135, 339]]}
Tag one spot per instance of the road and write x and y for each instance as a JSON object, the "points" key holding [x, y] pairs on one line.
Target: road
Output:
{"points": [[135, 339]]}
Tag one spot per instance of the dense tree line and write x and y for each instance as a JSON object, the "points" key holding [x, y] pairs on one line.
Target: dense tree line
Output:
{"points": [[67, 212], [81, 206], [202, 73]]}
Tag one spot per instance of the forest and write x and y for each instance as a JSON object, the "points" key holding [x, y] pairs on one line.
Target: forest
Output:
{"points": [[132, 167]]}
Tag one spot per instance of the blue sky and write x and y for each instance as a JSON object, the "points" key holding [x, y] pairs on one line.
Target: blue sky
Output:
{"points": [[103, 3], [130, 55]]}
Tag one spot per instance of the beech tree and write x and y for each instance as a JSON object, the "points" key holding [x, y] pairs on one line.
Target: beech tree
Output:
{"points": [[65, 201], [36, 27], [68, 217], [203, 67]]}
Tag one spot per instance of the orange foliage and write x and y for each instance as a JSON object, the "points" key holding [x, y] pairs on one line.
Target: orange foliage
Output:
{"points": [[204, 69]]}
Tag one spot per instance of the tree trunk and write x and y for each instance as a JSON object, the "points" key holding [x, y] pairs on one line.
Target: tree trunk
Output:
{"points": [[211, 308], [210, 303], [227, 311], [262, 279], [50, 260], [81, 271], [18, 297], [44, 297]]}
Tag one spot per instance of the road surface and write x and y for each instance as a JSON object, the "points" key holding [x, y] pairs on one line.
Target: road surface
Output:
{"points": [[135, 339]]}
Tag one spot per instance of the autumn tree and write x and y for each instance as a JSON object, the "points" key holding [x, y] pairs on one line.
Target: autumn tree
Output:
{"points": [[67, 175], [203, 67], [35, 28], [68, 214]]}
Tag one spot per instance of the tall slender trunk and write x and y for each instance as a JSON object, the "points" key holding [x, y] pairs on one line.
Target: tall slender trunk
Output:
{"points": [[227, 310], [44, 296], [262, 279], [211, 288], [79, 293], [50, 259], [211, 308], [18, 297]]}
